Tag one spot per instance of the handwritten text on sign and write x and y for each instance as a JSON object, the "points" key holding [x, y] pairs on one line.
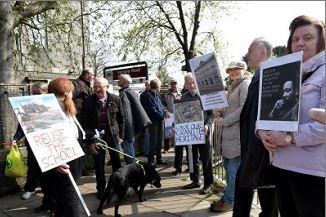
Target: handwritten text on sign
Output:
{"points": [[190, 133], [55, 146]]}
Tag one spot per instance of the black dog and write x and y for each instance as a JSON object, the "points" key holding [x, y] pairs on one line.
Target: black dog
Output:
{"points": [[136, 175]]}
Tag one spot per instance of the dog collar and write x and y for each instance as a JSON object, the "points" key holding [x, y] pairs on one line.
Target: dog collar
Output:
{"points": [[141, 166]]}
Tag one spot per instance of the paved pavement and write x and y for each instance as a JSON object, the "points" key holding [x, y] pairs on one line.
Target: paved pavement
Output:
{"points": [[169, 201]]}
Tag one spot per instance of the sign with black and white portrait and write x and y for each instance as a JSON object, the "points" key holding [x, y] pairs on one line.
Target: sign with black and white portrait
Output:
{"points": [[279, 91]]}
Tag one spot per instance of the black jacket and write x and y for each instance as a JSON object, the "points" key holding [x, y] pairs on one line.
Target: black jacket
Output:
{"points": [[254, 167], [91, 117], [82, 90], [135, 116]]}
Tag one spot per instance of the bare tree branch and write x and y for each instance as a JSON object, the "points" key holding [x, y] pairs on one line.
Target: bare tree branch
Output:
{"points": [[184, 28], [196, 26], [177, 35]]}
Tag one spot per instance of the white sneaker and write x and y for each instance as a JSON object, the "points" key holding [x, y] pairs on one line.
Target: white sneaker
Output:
{"points": [[27, 195]]}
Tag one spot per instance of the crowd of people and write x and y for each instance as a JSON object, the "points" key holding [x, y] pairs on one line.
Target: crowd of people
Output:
{"points": [[287, 169]]}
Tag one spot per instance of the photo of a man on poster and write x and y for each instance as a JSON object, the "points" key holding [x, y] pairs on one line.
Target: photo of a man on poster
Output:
{"points": [[286, 107], [279, 91]]}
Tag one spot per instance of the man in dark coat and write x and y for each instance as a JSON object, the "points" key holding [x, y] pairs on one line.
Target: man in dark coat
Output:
{"points": [[145, 132], [154, 108], [82, 89], [135, 116], [103, 112], [253, 171]]}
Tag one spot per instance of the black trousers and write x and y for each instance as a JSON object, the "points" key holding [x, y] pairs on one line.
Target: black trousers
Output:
{"points": [[33, 172], [156, 139], [99, 164], [205, 152], [35, 176], [243, 198], [178, 157], [67, 201], [299, 194]]}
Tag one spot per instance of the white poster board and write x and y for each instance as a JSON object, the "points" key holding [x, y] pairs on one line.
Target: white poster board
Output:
{"points": [[209, 82], [189, 123], [279, 93], [47, 130]]}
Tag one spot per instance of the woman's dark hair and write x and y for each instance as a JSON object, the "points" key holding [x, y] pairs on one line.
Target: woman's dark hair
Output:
{"points": [[304, 20]]}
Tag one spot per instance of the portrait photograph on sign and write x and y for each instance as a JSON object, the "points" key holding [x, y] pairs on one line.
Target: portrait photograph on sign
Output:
{"points": [[46, 129], [189, 123], [280, 85], [209, 81]]}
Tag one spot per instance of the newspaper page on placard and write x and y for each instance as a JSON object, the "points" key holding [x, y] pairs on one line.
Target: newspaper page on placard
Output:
{"points": [[168, 126], [209, 82], [189, 123], [279, 93], [47, 130]]}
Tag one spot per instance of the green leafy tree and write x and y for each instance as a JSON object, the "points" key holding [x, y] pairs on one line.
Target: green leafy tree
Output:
{"points": [[12, 14], [279, 51], [162, 32]]}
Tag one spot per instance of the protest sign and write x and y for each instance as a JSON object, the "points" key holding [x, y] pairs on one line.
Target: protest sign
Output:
{"points": [[279, 91], [209, 83], [189, 123], [168, 126], [47, 130]]}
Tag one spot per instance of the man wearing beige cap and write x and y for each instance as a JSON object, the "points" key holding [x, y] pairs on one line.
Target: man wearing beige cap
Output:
{"points": [[168, 99], [229, 131]]}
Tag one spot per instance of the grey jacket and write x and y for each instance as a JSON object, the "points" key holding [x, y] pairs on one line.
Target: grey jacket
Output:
{"points": [[229, 142]]}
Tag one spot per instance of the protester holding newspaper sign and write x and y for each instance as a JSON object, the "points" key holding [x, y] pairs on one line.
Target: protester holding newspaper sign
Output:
{"points": [[61, 188], [298, 158], [204, 150]]}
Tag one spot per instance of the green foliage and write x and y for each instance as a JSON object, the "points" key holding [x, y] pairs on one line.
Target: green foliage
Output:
{"points": [[163, 75], [279, 51], [53, 37], [228, 81], [140, 30]]}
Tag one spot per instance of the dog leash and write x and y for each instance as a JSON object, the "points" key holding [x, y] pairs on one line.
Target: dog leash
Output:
{"points": [[102, 144]]}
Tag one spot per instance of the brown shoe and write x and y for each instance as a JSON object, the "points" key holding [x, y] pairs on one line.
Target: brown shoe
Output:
{"points": [[221, 206]]}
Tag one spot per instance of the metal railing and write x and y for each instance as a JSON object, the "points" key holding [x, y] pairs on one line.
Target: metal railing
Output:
{"points": [[218, 169]]}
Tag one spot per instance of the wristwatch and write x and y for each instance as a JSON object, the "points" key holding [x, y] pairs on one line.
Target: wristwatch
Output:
{"points": [[289, 138]]}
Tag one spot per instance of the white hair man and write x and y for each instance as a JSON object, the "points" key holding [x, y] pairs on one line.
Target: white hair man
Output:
{"points": [[103, 111], [136, 118]]}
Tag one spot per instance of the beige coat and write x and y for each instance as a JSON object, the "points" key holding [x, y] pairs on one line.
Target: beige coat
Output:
{"points": [[229, 141]]}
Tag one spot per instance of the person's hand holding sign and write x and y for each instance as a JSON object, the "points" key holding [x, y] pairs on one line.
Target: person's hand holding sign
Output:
{"points": [[63, 169], [267, 140]]}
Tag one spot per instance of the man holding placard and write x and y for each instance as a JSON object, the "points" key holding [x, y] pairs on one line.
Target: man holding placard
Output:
{"points": [[204, 148]]}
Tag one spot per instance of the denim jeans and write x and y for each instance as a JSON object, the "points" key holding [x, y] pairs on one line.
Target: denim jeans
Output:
{"points": [[231, 167], [128, 148]]}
